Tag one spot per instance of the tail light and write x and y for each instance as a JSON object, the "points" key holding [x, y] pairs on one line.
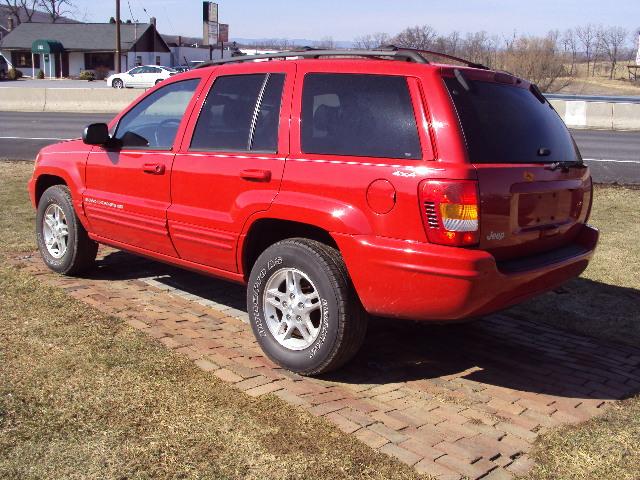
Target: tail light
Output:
{"points": [[450, 212]]}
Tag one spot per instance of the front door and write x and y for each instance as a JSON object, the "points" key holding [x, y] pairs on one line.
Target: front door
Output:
{"points": [[232, 165], [128, 188]]}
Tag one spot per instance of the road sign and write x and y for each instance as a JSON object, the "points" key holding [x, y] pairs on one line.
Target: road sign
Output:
{"points": [[210, 19], [224, 33]]}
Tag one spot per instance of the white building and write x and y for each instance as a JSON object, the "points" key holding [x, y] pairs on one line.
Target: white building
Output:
{"points": [[66, 49]]}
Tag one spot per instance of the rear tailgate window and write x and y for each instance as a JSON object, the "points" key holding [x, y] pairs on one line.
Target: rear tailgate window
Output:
{"points": [[508, 124]]}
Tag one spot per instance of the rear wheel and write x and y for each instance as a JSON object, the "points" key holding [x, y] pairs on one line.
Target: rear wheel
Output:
{"points": [[303, 309], [117, 83], [63, 242]]}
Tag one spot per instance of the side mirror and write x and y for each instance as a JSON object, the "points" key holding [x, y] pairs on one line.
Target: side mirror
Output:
{"points": [[96, 134]]}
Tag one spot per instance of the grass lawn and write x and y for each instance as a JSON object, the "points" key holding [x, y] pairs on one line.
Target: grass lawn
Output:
{"points": [[83, 395]]}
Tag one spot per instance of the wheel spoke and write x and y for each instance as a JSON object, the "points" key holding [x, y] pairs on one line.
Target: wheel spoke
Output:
{"points": [[305, 332], [292, 282], [49, 221], [273, 297]]}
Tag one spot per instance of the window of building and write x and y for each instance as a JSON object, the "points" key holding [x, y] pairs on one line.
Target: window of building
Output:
{"points": [[99, 60], [359, 115], [23, 59], [241, 113], [157, 59]]}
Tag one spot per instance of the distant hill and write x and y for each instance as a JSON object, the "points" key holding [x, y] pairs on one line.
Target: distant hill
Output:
{"points": [[300, 42]]}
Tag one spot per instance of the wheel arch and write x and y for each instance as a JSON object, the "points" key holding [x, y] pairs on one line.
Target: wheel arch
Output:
{"points": [[46, 181], [264, 232]]}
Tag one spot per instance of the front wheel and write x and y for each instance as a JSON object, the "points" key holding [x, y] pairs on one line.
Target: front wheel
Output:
{"points": [[303, 308], [63, 242], [117, 83]]}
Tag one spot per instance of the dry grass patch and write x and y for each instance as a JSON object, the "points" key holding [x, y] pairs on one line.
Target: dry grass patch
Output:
{"points": [[82, 395], [606, 447]]}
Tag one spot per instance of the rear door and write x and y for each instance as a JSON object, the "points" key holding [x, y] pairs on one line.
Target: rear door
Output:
{"points": [[231, 165], [128, 189], [534, 190]]}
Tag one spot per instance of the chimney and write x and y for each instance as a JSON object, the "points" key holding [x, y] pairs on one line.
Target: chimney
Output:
{"points": [[10, 24], [153, 22]]}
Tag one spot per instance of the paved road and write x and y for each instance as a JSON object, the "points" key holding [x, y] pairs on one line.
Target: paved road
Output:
{"points": [[595, 98], [613, 156]]}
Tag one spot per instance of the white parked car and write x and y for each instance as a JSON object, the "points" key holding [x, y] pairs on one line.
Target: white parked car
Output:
{"points": [[144, 76]]}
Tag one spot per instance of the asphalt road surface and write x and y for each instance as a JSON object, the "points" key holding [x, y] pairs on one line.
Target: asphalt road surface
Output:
{"points": [[614, 157]]}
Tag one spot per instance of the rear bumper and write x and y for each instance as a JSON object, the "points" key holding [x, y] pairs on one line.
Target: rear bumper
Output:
{"points": [[396, 278]]}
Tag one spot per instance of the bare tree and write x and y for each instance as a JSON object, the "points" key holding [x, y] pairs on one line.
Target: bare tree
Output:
{"points": [[420, 37], [13, 6], [449, 44], [570, 48], [57, 8], [375, 40], [612, 42], [325, 43], [480, 48], [588, 37], [535, 58]]}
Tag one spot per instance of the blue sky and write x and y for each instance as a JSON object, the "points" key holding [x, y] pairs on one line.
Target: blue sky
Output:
{"points": [[344, 20]]}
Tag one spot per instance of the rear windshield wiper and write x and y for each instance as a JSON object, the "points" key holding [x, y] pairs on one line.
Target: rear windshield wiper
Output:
{"points": [[565, 166]]}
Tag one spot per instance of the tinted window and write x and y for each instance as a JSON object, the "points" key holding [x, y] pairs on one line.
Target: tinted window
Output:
{"points": [[227, 119], [136, 70], [506, 124], [360, 115], [155, 120], [265, 135]]}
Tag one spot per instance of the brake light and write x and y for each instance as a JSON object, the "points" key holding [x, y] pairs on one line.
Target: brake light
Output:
{"points": [[450, 212]]}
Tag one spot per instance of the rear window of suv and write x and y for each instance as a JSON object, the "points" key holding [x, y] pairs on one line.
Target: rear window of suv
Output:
{"points": [[359, 115], [507, 124]]}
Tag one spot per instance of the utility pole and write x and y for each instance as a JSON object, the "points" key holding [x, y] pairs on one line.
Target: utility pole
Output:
{"points": [[118, 53]]}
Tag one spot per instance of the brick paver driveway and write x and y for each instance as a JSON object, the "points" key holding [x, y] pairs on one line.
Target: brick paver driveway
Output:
{"points": [[453, 401]]}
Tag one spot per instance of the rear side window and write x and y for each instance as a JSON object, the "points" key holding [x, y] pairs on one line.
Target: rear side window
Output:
{"points": [[241, 113], [359, 115], [507, 124]]}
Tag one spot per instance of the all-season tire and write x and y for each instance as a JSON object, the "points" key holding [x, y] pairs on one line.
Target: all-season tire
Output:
{"points": [[117, 83], [339, 320], [80, 252]]}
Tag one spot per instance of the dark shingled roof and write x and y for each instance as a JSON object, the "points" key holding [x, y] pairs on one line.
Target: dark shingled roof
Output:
{"points": [[75, 36]]}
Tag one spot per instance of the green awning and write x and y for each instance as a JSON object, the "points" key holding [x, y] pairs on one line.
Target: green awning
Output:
{"points": [[46, 46]]}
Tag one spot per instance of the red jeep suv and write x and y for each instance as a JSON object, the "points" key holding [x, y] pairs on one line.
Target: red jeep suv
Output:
{"points": [[335, 184]]}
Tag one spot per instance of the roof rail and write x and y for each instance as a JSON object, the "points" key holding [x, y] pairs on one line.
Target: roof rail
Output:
{"points": [[439, 54], [391, 52], [400, 54]]}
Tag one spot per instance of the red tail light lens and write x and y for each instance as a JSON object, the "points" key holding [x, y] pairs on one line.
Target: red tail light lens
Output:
{"points": [[450, 212]]}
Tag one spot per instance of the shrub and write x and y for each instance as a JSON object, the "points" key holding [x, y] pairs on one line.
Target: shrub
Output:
{"points": [[87, 75], [40, 75], [14, 74], [102, 73]]}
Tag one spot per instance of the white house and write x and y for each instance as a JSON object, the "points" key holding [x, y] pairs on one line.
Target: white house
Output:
{"points": [[66, 49]]}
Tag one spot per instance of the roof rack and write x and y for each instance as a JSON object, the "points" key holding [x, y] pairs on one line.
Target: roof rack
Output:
{"points": [[389, 52], [407, 56], [439, 54]]}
